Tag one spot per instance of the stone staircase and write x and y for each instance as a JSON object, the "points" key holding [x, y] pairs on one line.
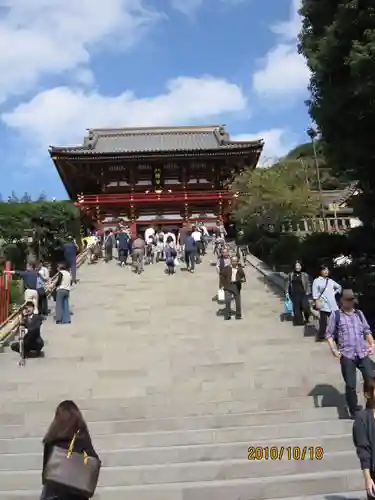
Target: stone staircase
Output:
{"points": [[175, 396]]}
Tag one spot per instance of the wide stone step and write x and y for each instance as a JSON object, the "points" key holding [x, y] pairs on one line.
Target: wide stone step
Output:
{"points": [[223, 372], [196, 471], [160, 394], [200, 436], [264, 488], [353, 495], [182, 454], [173, 423], [97, 409]]}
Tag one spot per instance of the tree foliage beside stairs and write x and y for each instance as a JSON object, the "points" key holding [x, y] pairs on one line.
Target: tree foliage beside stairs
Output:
{"points": [[338, 42], [36, 229]]}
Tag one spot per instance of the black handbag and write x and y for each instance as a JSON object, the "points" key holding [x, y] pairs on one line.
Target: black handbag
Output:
{"points": [[76, 472]]}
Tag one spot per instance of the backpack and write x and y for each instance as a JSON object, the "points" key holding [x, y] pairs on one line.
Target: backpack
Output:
{"points": [[358, 312]]}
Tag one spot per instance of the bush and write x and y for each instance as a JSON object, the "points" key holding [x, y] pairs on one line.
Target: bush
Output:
{"points": [[320, 249], [261, 244], [285, 252], [16, 293], [16, 253], [281, 251]]}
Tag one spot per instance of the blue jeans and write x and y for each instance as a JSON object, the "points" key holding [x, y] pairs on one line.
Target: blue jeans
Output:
{"points": [[62, 306]]}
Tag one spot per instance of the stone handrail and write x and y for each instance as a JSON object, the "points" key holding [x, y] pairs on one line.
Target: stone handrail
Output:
{"points": [[9, 328], [275, 277]]}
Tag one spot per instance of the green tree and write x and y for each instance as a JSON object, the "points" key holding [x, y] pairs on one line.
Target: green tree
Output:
{"points": [[47, 223], [272, 196], [304, 153], [338, 41]]}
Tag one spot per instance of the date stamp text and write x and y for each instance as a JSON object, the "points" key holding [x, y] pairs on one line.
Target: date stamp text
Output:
{"points": [[258, 453]]}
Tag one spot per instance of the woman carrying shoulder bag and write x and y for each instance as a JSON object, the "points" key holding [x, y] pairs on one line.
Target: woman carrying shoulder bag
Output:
{"points": [[324, 292], [71, 466]]}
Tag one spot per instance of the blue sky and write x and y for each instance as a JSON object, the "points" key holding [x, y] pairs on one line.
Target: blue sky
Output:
{"points": [[76, 65]]}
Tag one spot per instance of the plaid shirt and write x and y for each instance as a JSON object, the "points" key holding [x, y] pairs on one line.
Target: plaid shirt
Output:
{"points": [[351, 333]]}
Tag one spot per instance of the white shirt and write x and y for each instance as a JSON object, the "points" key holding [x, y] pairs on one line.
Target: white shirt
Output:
{"points": [[167, 236], [66, 280], [234, 274], [205, 231], [44, 273], [149, 232], [197, 235], [149, 240]]}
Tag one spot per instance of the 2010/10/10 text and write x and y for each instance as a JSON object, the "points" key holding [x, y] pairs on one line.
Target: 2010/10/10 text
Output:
{"points": [[296, 453]]}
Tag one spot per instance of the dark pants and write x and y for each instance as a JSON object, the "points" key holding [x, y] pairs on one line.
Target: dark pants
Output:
{"points": [[123, 255], [301, 308], [233, 291], [42, 302], [200, 248], [190, 256], [31, 346], [170, 268], [72, 266], [108, 254], [349, 374], [323, 320]]}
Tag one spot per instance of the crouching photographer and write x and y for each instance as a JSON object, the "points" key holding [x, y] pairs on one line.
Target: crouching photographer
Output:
{"points": [[30, 343]]}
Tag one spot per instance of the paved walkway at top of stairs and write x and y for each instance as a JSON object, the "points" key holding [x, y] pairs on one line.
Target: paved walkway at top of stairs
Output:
{"points": [[174, 395]]}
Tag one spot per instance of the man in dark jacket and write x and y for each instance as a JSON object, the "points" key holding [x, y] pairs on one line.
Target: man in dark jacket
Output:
{"points": [[123, 246], [232, 277], [190, 252], [30, 281], [109, 243], [70, 256]]}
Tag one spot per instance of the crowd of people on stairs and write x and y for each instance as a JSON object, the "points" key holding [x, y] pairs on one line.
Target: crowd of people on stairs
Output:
{"points": [[38, 286], [188, 245]]}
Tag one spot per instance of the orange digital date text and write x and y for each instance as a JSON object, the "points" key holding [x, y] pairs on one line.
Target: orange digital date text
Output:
{"points": [[296, 453]]}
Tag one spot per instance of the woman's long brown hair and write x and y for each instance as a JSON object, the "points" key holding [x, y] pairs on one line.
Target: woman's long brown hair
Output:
{"points": [[68, 420]]}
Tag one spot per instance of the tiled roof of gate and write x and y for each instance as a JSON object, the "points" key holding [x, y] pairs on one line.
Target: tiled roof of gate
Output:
{"points": [[157, 139], [339, 196]]}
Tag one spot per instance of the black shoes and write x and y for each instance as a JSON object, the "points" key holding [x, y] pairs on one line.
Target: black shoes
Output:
{"points": [[227, 318]]}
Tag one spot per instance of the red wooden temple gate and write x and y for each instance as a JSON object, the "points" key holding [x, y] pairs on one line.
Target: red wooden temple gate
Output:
{"points": [[158, 175]]}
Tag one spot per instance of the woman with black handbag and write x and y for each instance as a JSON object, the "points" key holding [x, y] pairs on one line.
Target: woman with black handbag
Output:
{"points": [[71, 466]]}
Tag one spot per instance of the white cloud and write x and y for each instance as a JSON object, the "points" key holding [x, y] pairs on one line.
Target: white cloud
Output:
{"points": [[60, 116], [189, 7], [277, 143], [49, 37], [290, 29], [283, 72]]}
